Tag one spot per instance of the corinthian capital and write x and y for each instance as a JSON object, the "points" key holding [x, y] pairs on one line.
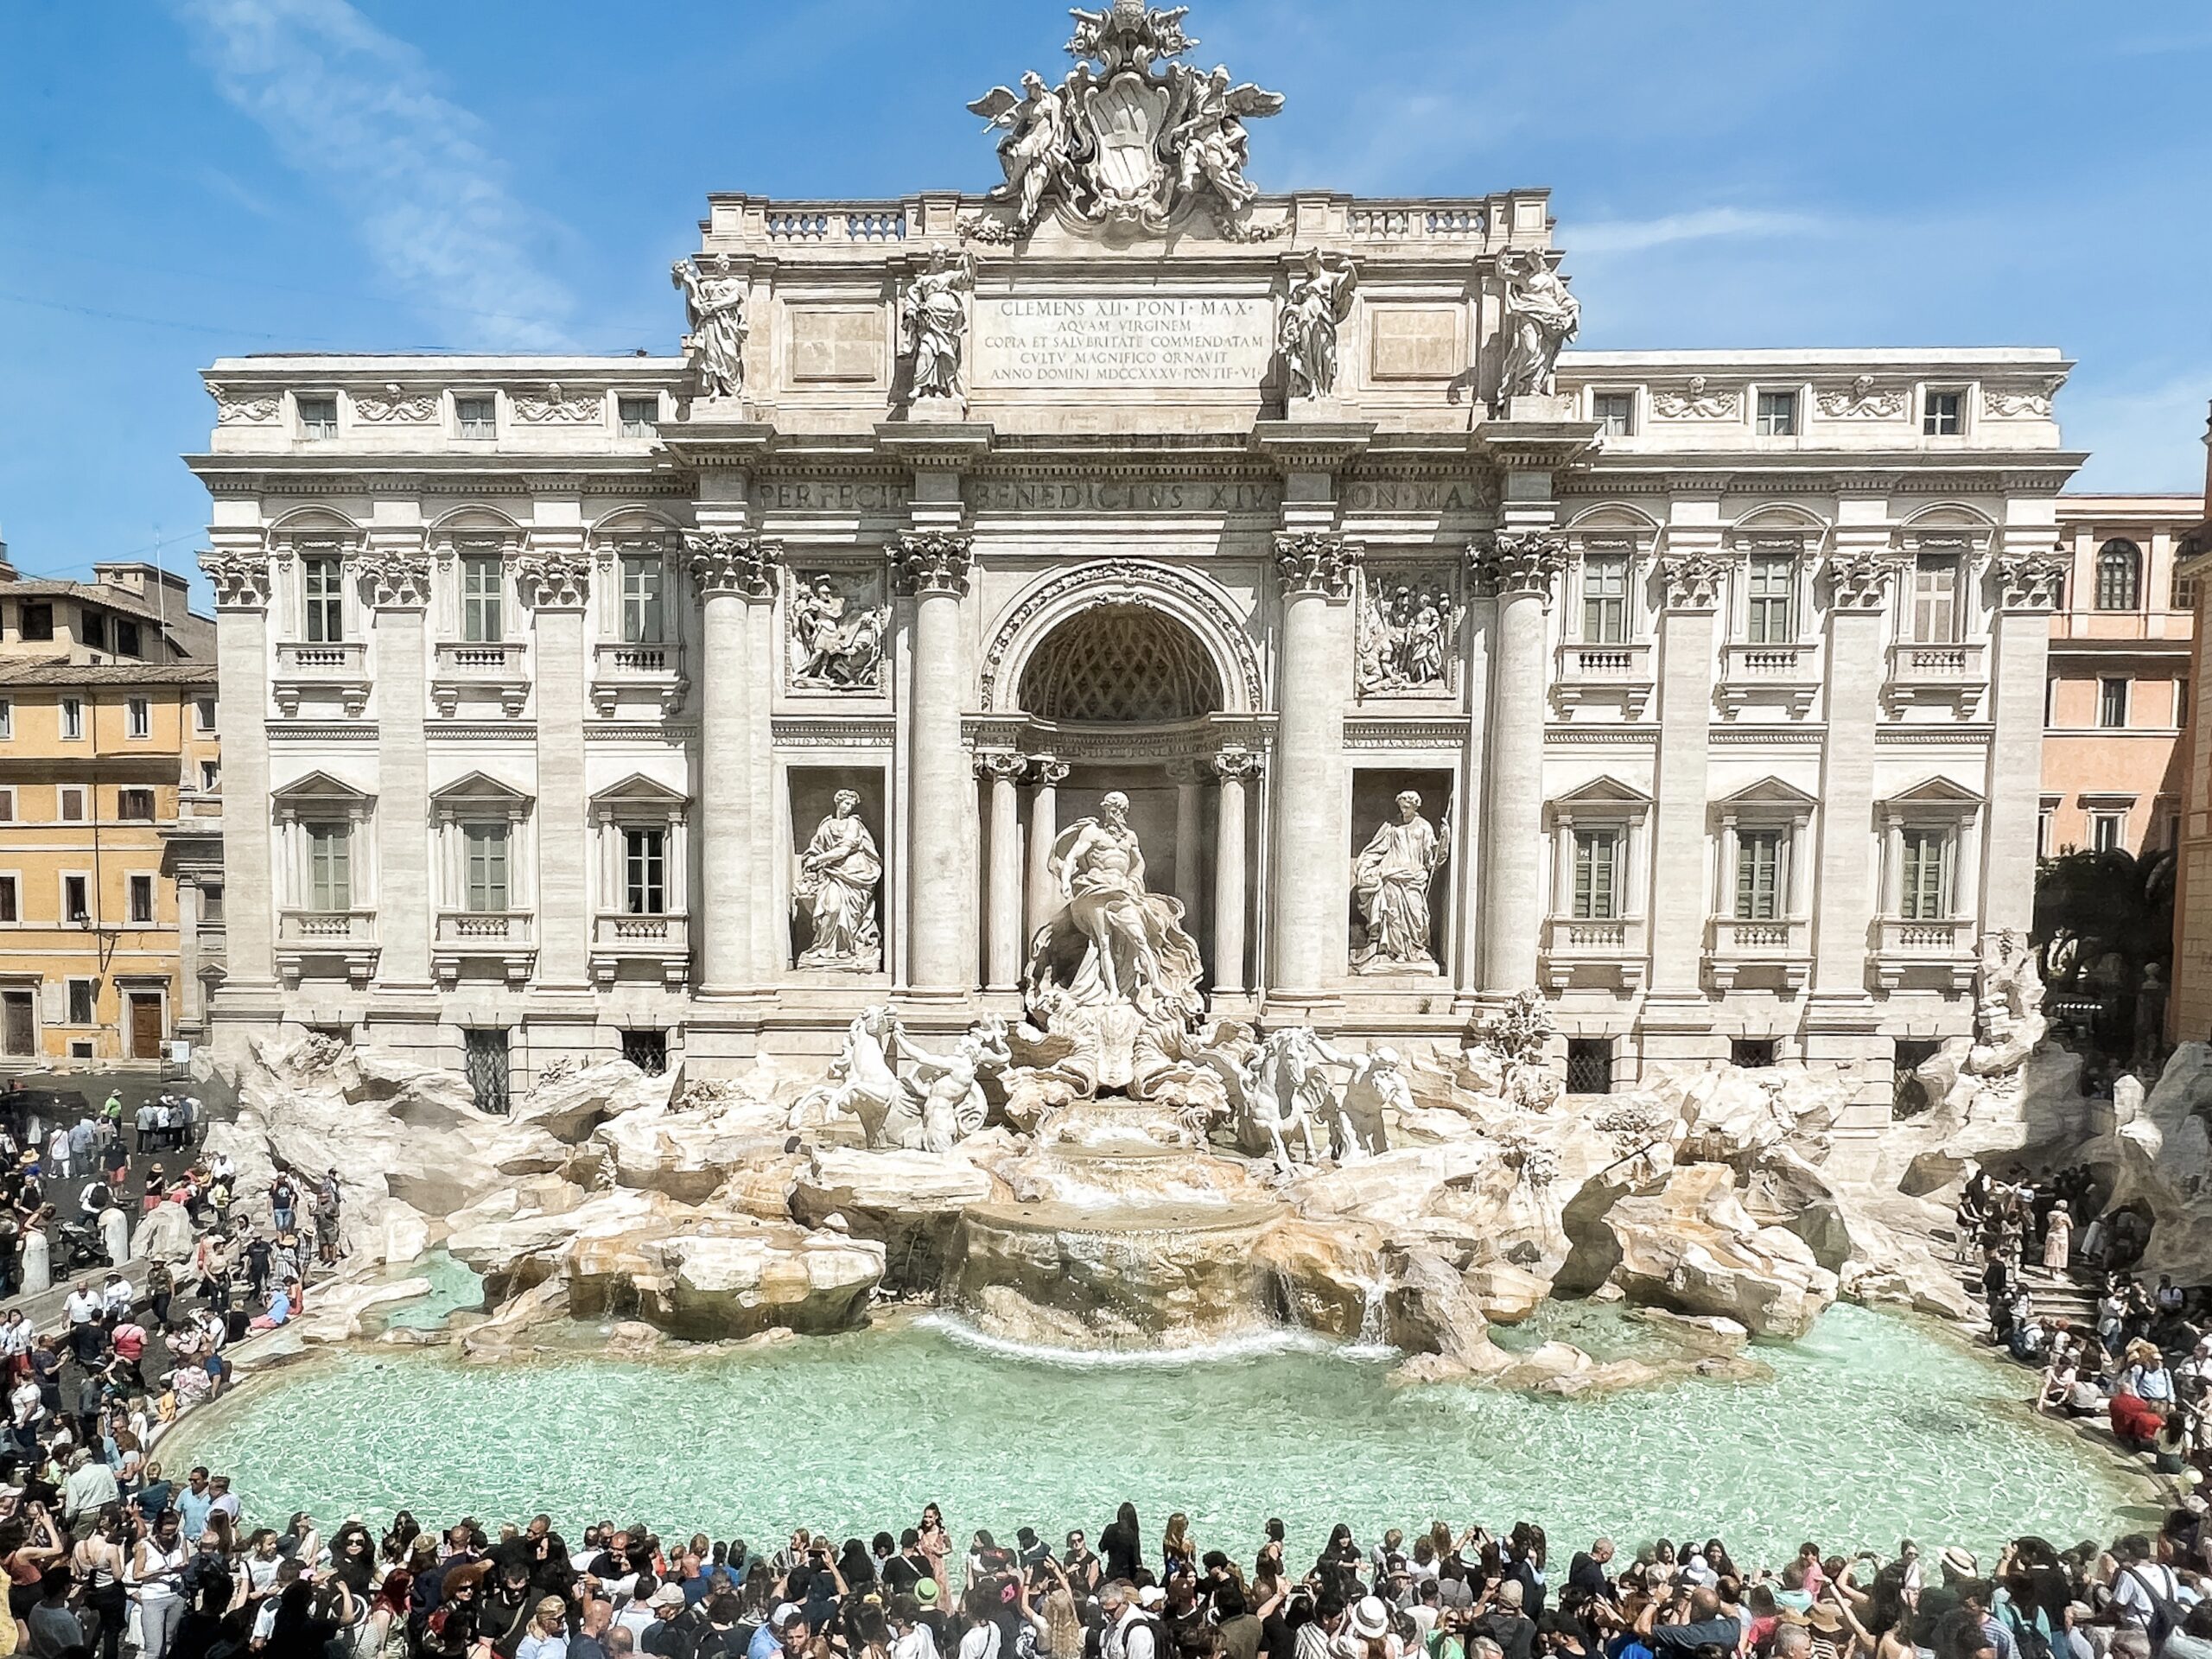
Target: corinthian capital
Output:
{"points": [[928, 561], [1693, 581], [1860, 579], [1236, 766], [241, 579], [558, 579], [2030, 581], [1313, 562], [1524, 562], [395, 578], [732, 562]]}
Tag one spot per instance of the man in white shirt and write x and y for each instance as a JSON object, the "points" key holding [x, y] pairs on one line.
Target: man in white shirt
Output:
{"points": [[88, 1486], [84, 1304], [16, 1333], [1129, 1633]]}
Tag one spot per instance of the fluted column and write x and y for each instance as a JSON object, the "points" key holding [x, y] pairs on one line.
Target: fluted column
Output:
{"points": [[1003, 771], [1309, 934], [237, 567], [1234, 767], [1047, 775], [2028, 583], [1522, 568], [732, 571], [555, 581], [932, 566], [1680, 862], [395, 577]]}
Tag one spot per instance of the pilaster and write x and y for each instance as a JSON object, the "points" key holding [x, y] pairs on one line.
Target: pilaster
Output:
{"points": [[394, 571], [2030, 575], [1692, 577], [237, 567], [554, 578]]}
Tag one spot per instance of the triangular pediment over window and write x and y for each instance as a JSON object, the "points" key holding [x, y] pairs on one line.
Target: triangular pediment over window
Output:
{"points": [[320, 787], [1769, 793], [1939, 792], [1605, 792], [479, 789], [638, 789]]}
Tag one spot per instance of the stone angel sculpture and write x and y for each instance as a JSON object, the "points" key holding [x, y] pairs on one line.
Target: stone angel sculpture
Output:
{"points": [[1035, 151], [1540, 317], [1316, 306], [1211, 140], [716, 303], [933, 326]]}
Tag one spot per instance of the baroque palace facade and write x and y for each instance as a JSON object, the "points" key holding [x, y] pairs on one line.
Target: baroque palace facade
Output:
{"points": [[686, 706]]}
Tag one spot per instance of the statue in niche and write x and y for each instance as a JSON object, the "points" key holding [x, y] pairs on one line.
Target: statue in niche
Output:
{"points": [[715, 300], [838, 875], [1540, 317], [1318, 302], [1390, 880], [933, 327], [836, 634], [1405, 635]]}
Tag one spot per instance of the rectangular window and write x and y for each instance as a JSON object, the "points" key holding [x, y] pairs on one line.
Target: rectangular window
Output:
{"points": [[92, 629], [1927, 875], [483, 583], [318, 417], [1944, 415], [2046, 826], [645, 871], [1758, 875], [7, 805], [323, 580], [1752, 1053], [643, 619], [330, 866], [488, 866], [73, 719], [126, 638], [1615, 413], [1777, 415], [1589, 1065], [2181, 701], [141, 898], [75, 906], [1936, 598], [211, 776], [2112, 703], [1604, 599], [639, 415], [138, 717], [474, 417], [2107, 831], [203, 714], [1596, 875], [135, 805], [70, 803], [37, 621], [1772, 618], [10, 911], [211, 902], [7, 718], [2183, 597], [81, 997]]}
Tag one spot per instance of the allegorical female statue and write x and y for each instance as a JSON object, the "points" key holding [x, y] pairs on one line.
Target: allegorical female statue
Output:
{"points": [[1390, 880], [838, 875], [716, 303]]}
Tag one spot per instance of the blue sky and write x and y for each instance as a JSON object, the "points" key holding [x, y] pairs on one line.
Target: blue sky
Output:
{"points": [[180, 181]]}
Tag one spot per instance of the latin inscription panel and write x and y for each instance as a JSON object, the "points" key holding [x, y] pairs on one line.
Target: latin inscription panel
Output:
{"points": [[1099, 342]]}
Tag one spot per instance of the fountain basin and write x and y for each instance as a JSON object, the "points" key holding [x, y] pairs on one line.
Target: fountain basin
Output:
{"points": [[1065, 1274]]}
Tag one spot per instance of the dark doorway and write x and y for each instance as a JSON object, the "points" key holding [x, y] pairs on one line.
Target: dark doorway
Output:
{"points": [[487, 1068]]}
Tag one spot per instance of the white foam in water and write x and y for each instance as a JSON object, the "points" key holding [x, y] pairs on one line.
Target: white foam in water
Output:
{"points": [[1272, 1339]]}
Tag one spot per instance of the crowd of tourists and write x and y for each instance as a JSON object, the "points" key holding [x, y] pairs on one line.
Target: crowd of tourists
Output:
{"points": [[107, 1558]]}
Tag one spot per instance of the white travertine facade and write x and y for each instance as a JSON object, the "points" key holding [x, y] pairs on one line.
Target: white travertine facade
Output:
{"points": [[1718, 675]]}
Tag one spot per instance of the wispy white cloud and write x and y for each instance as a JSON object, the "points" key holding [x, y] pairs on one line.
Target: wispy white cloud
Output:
{"points": [[1700, 225], [352, 109], [2143, 434]]}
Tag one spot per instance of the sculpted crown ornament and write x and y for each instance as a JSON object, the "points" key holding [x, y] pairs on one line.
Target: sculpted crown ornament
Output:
{"points": [[1312, 562], [732, 562], [241, 579], [1521, 562], [556, 579], [1860, 579], [396, 578], [2031, 581], [1693, 581], [933, 562], [1131, 136]]}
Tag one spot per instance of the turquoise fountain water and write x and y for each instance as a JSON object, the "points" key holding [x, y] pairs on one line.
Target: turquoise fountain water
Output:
{"points": [[1873, 1429]]}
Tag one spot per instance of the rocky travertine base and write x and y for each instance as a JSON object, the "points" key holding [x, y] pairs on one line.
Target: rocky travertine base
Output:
{"points": [[719, 1212]]}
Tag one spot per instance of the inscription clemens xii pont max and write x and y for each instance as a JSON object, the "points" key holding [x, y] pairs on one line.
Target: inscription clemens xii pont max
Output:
{"points": [[1134, 340]]}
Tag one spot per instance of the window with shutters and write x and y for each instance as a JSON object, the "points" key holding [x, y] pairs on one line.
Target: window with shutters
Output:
{"points": [[76, 898], [645, 871], [83, 998], [1926, 895], [323, 585], [483, 584], [487, 850], [73, 719], [1604, 599], [1936, 598], [135, 805], [1597, 875], [138, 717], [330, 866], [142, 898], [2112, 703], [1771, 580], [11, 908], [643, 621], [1760, 875]]}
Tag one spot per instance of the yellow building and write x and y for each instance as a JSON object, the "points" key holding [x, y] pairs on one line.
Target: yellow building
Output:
{"points": [[110, 829]]}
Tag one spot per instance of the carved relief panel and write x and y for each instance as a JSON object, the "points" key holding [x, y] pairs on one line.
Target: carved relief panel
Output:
{"points": [[837, 619], [1408, 639]]}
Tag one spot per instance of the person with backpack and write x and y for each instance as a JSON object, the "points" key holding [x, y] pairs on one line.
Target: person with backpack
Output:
{"points": [[2146, 1594]]}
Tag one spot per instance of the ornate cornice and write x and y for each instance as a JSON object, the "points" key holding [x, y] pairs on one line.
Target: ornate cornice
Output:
{"points": [[1313, 562], [556, 579], [2032, 581], [241, 579], [1693, 581], [1860, 579], [395, 578], [932, 563], [1519, 563], [727, 562]]}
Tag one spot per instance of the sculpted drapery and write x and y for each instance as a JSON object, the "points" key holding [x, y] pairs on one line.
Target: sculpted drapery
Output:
{"points": [[1390, 881], [839, 873]]}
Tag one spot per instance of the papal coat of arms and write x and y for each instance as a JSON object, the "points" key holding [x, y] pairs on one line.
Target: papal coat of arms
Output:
{"points": [[1131, 137]]}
